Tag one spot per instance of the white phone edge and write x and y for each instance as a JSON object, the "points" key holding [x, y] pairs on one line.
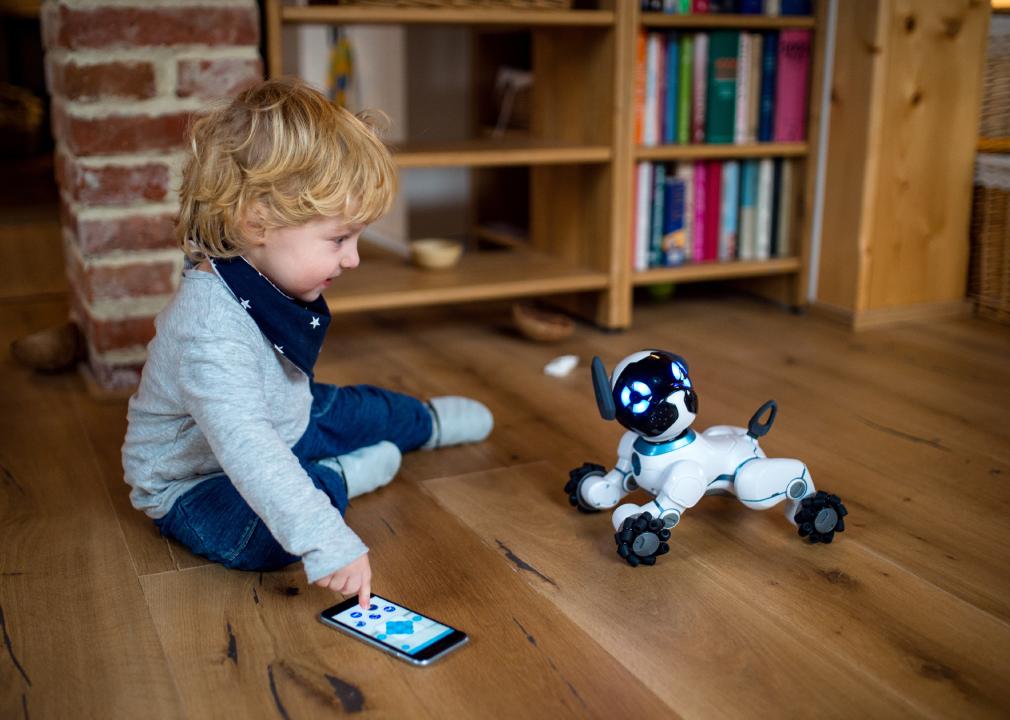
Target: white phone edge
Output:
{"points": [[392, 651]]}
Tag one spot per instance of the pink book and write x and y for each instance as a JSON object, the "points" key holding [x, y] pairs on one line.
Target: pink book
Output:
{"points": [[713, 207], [700, 211], [793, 72], [699, 87]]}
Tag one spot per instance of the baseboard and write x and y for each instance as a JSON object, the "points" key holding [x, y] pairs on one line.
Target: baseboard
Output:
{"points": [[884, 317]]}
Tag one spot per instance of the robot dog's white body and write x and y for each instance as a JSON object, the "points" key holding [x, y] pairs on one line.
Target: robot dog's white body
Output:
{"points": [[651, 394], [678, 473]]}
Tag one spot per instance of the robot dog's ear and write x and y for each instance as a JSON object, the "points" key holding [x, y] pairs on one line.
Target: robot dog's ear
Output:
{"points": [[682, 361], [601, 386]]}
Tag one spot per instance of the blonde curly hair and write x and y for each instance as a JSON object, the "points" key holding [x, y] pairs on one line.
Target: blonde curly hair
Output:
{"points": [[279, 155]]}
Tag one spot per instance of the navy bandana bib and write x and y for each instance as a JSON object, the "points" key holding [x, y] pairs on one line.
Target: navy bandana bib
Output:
{"points": [[296, 328]]}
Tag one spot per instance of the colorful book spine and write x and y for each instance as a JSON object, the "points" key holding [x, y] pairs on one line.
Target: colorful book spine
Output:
{"points": [[743, 76], [751, 7], [640, 88], [685, 7], [699, 91], [772, 7], [730, 213], [791, 84], [769, 61], [684, 86], [658, 214], [765, 190], [671, 113], [675, 251], [652, 48], [700, 211], [720, 122], [748, 209], [700, 6], [794, 7], [784, 211], [685, 173], [754, 87], [643, 197], [713, 209]]}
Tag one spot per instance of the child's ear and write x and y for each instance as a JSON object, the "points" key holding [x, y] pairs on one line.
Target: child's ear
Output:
{"points": [[252, 226]]}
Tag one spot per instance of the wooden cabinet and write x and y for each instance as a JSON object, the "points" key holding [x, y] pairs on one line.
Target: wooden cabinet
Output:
{"points": [[577, 161]]}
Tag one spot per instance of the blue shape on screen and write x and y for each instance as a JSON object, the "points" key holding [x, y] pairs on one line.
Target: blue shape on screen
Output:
{"points": [[380, 637], [406, 647], [373, 606], [400, 627], [389, 608], [375, 616], [355, 614], [416, 618], [360, 623]]}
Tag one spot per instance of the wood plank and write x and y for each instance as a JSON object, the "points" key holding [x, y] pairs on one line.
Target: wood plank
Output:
{"points": [[728, 21], [674, 625], [497, 153], [697, 272], [79, 640], [720, 152], [524, 658]]}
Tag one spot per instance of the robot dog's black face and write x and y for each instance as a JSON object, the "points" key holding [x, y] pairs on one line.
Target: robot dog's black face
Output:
{"points": [[641, 392]]}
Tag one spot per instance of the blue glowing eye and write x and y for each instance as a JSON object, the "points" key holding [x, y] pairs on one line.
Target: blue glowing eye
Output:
{"points": [[640, 407], [687, 381], [636, 397], [677, 371]]}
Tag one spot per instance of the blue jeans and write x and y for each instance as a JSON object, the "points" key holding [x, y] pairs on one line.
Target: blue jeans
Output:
{"points": [[213, 520]]}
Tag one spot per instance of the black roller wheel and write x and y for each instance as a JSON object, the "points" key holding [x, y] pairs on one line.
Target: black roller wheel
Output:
{"points": [[575, 480], [642, 539], [820, 516]]}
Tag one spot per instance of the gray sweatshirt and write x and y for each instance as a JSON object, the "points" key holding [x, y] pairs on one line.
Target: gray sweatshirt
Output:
{"points": [[215, 397]]}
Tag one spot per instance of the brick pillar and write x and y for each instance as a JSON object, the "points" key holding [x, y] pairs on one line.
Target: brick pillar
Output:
{"points": [[126, 77]]}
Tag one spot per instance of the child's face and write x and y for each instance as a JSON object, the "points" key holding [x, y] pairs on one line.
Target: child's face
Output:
{"points": [[303, 260]]}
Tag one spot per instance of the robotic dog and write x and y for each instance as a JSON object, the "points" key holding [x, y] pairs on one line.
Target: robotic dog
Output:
{"points": [[651, 394]]}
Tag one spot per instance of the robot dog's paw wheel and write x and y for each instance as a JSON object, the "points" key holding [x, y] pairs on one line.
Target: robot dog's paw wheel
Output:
{"points": [[575, 480], [642, 539], [820, 516]]}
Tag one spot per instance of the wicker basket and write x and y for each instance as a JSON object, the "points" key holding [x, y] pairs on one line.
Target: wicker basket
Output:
{"points": [[995, 120], [989, 279], [517, 4]]}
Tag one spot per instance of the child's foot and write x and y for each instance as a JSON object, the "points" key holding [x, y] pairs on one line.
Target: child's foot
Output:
{"points": [[367, 469], [457, 420]]}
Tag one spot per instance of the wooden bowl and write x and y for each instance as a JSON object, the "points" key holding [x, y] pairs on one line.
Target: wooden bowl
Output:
{"points": [[541, 325], [435, 253], [51, 350]]}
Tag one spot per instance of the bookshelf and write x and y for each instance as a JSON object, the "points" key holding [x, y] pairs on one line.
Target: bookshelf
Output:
{"points": [[577, 163]]}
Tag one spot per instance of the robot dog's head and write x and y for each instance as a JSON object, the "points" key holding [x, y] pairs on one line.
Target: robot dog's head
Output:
{"points": [[649, 393]]}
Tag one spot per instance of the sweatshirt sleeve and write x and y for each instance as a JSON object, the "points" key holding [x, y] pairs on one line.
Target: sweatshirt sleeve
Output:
{"points": [[222, 390]]}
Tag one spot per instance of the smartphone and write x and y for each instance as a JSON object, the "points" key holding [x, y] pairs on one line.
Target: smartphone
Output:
{"points": [[400, 631]]}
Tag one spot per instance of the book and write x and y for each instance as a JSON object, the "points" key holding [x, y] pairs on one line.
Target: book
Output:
{"points": [[772, 7], [658, 214], [762, 236], [794, 7], [700, 211], [754, 87], [699, 92], [729, 213], [713, 209], [652, 48], [784, 210], [791, 85], [752, 7], [640, 87], [748, 209], [699, 6], [643, 200], [671, 113], [685, 173], [684, 87], [769, 61], [720, 125], [675, 250], [743, 77]]}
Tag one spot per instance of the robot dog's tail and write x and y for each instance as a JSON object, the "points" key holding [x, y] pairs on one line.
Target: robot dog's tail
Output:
{"points": [[755, 428]]}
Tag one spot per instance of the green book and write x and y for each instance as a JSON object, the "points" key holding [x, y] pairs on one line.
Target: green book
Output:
{"points": [[684, 88], [720, 115]]}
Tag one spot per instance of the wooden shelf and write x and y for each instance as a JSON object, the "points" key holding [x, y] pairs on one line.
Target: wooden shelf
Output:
{"points": [[734, 22], [717, 152], [996, 144], [491, 153], [363, 15], [698, 272], [385, 280]]}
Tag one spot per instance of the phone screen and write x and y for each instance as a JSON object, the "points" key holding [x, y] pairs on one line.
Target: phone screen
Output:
{"points": [[392, 625]]}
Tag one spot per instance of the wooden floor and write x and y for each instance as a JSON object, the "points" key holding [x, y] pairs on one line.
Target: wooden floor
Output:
{"points": [[906, 614]]}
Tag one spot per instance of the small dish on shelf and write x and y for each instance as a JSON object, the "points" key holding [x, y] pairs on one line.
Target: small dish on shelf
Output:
{"points": [[435, 253], [541, 325]]}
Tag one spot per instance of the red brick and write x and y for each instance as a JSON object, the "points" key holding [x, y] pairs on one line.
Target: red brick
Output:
{"points": [[133, 232], [112, 184], [120, 134], [112, 334], [113, 26], [217, 78], [105, 282], [133, 80]]}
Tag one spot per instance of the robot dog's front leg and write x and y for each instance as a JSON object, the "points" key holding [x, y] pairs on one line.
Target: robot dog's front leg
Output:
{"points": [[591, 489]]}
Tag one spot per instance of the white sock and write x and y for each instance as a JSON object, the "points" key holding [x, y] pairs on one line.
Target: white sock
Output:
{"points": [[367, 469], [457, 420]]}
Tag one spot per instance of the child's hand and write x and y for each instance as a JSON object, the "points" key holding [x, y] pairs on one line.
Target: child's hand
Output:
{"points": [[355, 577]]}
